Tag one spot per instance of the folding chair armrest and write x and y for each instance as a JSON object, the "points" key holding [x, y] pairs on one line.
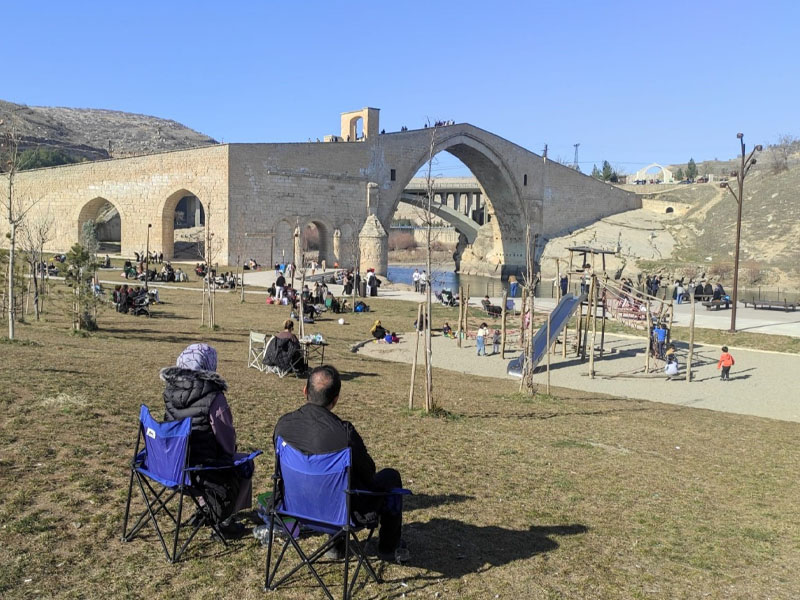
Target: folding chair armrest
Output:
{"points": [[234, 464], [244, 458], [392, 492]]}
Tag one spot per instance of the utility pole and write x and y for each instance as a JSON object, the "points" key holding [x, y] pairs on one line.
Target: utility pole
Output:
{"points": [[575, 160], [744, 168]]}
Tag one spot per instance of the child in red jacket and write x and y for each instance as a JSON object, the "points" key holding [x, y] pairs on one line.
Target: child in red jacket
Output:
{"points": [[725, 363]]}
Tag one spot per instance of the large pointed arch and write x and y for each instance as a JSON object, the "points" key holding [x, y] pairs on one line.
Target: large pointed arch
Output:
{"points": [[495, 177]]}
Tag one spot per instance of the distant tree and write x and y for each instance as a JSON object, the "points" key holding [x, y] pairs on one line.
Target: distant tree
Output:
{"points": [[679, 174], [780, 151], [37, 158], [691, 170], [608, 173], [596, 172]]}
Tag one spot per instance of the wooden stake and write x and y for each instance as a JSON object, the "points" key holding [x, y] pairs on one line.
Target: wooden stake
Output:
{"points": [[459, 329], [522, 318], [550, 314], [649, 340], [593, 304], [585, 341], [691, 344], [427, 366], [503, 328], [466, 316], [414, 362]]}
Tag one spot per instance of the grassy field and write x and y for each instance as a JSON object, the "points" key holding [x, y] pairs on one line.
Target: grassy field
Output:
{"points": [[563, 496]]}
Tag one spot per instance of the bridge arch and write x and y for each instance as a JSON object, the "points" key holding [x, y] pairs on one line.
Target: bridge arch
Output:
{"points": [[90, 211], [167, 224], [495, 177], [325, 237]]}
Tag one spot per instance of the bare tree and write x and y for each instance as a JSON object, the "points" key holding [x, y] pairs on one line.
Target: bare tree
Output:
{"points": [[15, 209], [429, 403], [211, 249], [34, 235], [781, 151]]}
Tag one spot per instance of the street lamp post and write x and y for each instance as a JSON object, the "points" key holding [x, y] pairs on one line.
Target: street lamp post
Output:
{"points": [[147, 259], [744, 167]]}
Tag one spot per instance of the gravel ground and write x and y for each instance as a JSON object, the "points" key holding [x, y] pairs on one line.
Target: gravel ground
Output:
{"points": [[759, 383]]}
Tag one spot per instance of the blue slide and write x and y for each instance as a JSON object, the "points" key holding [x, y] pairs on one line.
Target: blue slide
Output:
{"points": [[558, 320]]}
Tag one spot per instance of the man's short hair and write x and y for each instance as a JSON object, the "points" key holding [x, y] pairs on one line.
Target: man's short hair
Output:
{"points": [[324, 385]]}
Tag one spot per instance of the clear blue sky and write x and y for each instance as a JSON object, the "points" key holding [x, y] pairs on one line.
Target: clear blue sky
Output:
{"points": [[633, 82]]}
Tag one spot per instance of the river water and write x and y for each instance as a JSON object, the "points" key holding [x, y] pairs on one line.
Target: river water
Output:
{"points": [[444, 276]]}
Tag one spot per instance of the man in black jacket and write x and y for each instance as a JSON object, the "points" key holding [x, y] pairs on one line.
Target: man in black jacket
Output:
{"points": [[314, 429]]}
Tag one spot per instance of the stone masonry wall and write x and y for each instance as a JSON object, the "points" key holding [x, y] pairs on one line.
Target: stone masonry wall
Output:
{"points": [[143, 189]]}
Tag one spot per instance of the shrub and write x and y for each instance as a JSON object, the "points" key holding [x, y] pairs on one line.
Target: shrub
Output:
{"points": [[401, 240]]}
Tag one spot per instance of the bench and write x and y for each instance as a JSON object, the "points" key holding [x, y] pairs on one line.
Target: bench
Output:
{"points": [[717, 304], [771, 304]]}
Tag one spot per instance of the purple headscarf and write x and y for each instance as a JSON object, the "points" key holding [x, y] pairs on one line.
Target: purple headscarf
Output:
{"points": [[198, 357]]}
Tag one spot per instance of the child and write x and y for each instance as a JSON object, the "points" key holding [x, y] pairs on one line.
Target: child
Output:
{"points": [[480, 338], [725, 362], [496, 342]]}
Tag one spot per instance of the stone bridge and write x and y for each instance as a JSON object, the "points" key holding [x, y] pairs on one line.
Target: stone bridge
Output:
{"points": [[255, 196]]}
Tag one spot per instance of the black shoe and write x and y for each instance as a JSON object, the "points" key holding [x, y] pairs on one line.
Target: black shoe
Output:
{"points": [[335, 552], [232, 530], [399, 554]]}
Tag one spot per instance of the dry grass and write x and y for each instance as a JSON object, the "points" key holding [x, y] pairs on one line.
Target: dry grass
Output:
{"points": [[569, 496]]}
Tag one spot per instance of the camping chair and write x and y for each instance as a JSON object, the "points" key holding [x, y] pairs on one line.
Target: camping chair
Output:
{"points": [[276, 360], [257, 351], [315, 495], [162, 473]]}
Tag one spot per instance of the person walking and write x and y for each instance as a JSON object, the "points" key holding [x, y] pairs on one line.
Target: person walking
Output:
{"points": [[480, 339], [415, 280], [725, 363]]}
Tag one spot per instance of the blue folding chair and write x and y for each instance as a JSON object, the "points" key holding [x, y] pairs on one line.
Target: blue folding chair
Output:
{"points": [[313, 493], [164, 478]]}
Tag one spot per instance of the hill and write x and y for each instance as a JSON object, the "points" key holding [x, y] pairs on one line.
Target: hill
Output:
{"points": [[92, 134]]}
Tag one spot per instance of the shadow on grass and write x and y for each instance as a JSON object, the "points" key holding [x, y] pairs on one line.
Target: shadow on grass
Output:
{"points": [[580, 413], [421, 501], [349, 376], [454, 549]]}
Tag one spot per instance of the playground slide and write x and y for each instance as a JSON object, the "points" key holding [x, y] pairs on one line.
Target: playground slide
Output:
{"points": [[558, 320]]}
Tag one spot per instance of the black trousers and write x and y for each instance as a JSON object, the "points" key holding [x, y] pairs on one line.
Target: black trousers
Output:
{"points": [[389, 509]]}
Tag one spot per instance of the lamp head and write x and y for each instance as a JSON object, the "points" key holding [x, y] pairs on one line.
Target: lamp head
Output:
{"points": [[753, 161], [739, 135]]}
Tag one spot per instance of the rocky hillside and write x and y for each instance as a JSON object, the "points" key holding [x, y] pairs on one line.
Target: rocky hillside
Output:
{"points": [[86, 133], [697, 236]]}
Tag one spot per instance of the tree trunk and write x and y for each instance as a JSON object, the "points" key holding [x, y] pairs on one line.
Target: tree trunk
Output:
{"points": [[11, 257], [414, 362]]}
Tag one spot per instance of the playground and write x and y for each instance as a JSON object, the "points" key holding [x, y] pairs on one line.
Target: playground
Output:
{"points": [[568, 495]]}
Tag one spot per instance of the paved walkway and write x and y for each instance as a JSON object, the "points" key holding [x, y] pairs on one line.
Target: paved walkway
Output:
{"points": [[760, 383]]}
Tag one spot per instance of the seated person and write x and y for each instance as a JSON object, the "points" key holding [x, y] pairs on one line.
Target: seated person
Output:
{"points": [[719, 292], [315, 429], [447, 331], [377, 331], [490, 308], [107, 262], [194, 389], [285, 353], [331, 303], [391, 338]]}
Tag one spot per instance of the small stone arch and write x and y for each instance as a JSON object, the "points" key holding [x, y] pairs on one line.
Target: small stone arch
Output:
{"points": [[641, 174], [112, 234], [167, 225], [325, 244]]}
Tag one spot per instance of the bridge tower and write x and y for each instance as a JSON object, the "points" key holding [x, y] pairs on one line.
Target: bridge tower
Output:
{"points": [[370, 118]]}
